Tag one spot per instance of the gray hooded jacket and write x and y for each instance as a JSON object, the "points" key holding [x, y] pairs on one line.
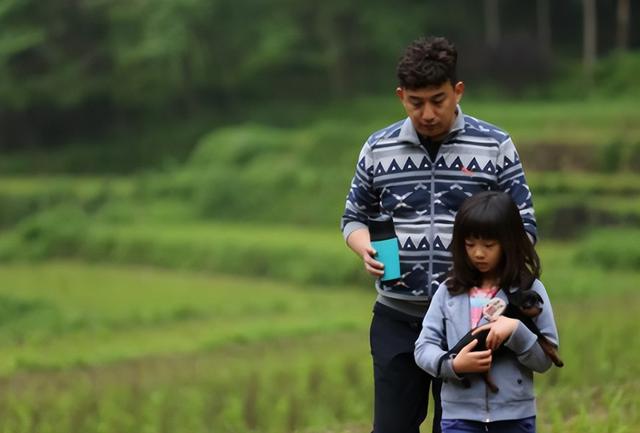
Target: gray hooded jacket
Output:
{"points": [[446, 322]]}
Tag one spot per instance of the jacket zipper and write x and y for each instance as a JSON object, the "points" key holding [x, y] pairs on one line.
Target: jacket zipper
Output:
{"points": [[431, 210], [486, 400]]}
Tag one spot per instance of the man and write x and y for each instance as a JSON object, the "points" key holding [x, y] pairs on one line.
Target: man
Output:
{"points": [[418, 171]]}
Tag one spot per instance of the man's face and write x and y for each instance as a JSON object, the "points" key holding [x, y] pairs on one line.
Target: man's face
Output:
{"points": [[432, 110]]}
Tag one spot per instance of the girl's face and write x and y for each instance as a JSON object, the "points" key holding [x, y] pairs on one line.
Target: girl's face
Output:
{"points": [[484, 254]]}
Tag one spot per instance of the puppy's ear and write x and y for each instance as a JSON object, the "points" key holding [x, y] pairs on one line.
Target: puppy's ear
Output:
{"points": [[526, 280], [530, 299]]}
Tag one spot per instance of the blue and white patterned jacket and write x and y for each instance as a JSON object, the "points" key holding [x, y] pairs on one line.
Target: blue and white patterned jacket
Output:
{"points": [[395, 176]]}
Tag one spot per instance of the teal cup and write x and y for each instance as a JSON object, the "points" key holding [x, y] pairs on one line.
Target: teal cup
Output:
{"points": [[385, 242]]}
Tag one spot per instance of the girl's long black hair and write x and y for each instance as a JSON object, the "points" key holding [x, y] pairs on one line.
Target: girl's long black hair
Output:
{"points": [[492, 215]]}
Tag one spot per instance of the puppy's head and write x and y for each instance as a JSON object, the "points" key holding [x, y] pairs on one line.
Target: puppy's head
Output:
{"points": [[529, 302]]}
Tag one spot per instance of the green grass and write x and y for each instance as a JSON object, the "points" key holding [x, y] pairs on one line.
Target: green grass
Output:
{"points": [[74, 314], [269, 386], [562, 122], [297, 255], [52, 309], [571, 122], [21, 197], [81, 186], [300, 255], [236, 327], [597, 389], [125, 308], [611, 249], [94, 348], [285, 177], [584, 183]]}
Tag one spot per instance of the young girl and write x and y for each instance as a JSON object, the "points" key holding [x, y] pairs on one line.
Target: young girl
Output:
{"points": [[491, 254]]}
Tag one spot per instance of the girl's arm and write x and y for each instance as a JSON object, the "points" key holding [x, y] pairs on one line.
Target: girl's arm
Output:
{"points": [[430, 346], [524, 343]]}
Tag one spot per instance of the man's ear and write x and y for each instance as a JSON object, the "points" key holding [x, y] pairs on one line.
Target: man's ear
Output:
{"points": [[400, 93], [458, 89]]}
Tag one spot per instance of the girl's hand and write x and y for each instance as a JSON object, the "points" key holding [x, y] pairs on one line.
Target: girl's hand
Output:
{"points": [[467, 361], [500, 330]]}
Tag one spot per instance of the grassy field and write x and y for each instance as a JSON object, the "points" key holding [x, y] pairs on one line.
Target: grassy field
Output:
{"points": [[217, 295], [92, 343], [106, 348], [56, 313]]}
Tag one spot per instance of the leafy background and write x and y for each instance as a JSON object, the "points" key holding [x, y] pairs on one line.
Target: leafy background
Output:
{"points": [[173, 173]]}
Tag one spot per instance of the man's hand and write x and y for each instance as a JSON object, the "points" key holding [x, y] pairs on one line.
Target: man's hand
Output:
{"points": [[360, 242], [467, 361], [372, 266], [499, 331]]}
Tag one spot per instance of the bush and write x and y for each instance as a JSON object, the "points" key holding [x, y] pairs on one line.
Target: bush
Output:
{"points": [[14, 206], [58, 231], [284, 253], [24, 197], [617, 74], [614, 76], [260, 173], [611, 249]]}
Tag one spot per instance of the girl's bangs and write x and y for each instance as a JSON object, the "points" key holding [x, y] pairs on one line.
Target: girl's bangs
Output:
{"points": [[481, 222]]}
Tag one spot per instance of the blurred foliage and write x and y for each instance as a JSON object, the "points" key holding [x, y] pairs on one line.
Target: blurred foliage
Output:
{"points": [[76, 71], [263, 167], [52, 232], [611, 249], [156, 221], [24, 197], [594, 135], [300, 176], [286, 253], [612, 79], [614, 75], [82, 68], [213, 110]]}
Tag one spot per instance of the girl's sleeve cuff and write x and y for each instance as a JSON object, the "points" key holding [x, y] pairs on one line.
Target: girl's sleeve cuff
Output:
{"points": [[521, 340], [447, 370]]}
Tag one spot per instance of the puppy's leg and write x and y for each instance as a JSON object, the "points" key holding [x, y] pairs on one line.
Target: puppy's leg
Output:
{"points": [[551, 351]]}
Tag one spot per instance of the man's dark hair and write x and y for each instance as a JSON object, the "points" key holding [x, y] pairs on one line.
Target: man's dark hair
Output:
{"points": [[492, 215], [427, 62]]}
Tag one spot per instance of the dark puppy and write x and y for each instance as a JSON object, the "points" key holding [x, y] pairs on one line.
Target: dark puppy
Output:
{"points": [[523, 305]]}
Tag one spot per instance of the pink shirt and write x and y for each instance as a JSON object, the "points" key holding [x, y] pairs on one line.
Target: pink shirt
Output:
{"points": [[478, 298]]}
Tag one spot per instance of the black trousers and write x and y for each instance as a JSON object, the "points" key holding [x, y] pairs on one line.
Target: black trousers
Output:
{"points": [[401, 387]]}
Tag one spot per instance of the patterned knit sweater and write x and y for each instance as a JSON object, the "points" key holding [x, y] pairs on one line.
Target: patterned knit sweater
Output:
{"points": [[395, 175]]}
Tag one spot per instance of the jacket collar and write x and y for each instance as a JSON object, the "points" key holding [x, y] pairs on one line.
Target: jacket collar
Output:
{"points": [[500, 294], [459, 307], [408, 132]]}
